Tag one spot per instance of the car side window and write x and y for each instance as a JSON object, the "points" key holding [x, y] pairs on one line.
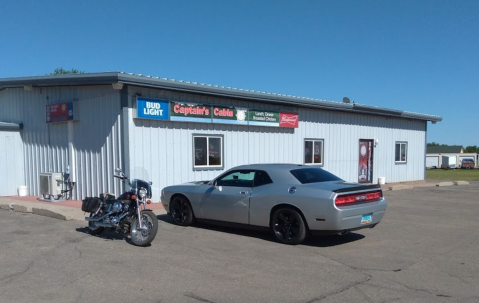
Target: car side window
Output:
{"points": [[261, 178], [242, 178]]}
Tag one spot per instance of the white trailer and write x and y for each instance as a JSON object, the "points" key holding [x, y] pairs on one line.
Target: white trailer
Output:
{"points": [[449, 161], [432, 162]]}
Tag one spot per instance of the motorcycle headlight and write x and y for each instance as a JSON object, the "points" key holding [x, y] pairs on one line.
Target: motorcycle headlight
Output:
{"points": [[142, 192]]}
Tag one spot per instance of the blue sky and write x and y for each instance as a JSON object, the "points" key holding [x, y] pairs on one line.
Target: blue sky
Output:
{"points": [[420, 56]]}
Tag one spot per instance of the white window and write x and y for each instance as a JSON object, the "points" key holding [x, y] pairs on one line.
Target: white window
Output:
{"points": [[207, 151], [401, 152], [313, 151]]}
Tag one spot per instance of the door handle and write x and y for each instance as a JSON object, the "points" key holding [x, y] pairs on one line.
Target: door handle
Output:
{"points": [[243, 192]]}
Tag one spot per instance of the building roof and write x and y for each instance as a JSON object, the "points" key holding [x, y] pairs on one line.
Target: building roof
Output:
{"points": [[444, 149], [200, 88]]}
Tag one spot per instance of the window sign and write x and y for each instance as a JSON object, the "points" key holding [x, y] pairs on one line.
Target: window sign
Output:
{"points": [[313, 151], [152, 109], [189, 112], [264, 118], [207, 151], [59, 112], [288, 119], [229, 115]]}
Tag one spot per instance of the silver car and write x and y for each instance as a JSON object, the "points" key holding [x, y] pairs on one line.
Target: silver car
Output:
{"points": [[291, 200]]}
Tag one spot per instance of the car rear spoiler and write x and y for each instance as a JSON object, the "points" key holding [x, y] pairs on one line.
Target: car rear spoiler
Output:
{"points": [[356, 188]]}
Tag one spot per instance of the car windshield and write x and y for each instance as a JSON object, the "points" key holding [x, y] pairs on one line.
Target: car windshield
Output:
{"points": [[313, 175]]}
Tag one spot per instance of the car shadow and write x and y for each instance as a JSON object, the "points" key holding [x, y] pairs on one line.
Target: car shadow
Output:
{"points": [[108, 235], [265, 234]]}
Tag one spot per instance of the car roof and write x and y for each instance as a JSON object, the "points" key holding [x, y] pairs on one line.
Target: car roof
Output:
{"points": [[271, 166]]}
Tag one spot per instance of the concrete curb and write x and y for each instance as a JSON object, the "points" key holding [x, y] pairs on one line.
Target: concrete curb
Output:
{"points": [[445, 184], [400, 187], [22, 208], [51, 214], [8, 206], [461, 183]]}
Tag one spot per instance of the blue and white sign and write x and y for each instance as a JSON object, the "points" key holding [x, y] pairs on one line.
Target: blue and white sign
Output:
{"points": [[152, 109]]}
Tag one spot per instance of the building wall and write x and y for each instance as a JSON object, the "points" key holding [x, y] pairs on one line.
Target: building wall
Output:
{"points": [[161, 151], [11, 162], [97, 135], [107, 136]]}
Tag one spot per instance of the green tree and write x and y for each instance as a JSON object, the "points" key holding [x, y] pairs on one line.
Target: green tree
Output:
{"points": [[471, 149], [62, 71]]}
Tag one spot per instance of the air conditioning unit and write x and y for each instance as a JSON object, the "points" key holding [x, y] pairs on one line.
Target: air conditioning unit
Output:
{"points": [[49, 187]]}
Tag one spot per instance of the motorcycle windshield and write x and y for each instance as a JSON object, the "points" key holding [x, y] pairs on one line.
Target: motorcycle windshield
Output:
{"points": [[136, 184]]}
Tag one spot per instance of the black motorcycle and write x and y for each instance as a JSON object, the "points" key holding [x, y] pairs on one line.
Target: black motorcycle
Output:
{"points": [[126, 214]]}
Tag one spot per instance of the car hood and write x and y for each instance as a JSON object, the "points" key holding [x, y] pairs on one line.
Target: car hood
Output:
{"points": [[342, 186], [192, 183]]}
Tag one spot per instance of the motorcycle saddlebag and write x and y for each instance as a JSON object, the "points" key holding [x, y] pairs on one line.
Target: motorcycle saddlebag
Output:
{"points": [[90, 204]]}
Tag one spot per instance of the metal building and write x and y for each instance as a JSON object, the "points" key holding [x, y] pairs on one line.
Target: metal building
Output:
{"points": [[170, 132]]}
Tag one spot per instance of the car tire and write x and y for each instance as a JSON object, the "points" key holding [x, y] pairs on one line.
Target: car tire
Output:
{"points": [[181, 211], [288, 226]]}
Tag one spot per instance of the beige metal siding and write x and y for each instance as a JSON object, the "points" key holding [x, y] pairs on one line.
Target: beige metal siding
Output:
{"points": [[97, 136], [161, 151]]}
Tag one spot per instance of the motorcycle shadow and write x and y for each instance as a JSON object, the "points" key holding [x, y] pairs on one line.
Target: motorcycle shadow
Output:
{"points": [[107, 235]]}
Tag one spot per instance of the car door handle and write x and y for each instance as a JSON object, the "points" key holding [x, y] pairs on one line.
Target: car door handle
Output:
{"points": [[243, 192]]}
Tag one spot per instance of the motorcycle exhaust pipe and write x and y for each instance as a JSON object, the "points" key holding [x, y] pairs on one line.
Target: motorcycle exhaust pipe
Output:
{"points": [[99, 218], [101, 224]]}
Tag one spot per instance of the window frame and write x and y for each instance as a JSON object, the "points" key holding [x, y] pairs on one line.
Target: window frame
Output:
{"points": [[321, 152], [208, 166], [400, 143]]}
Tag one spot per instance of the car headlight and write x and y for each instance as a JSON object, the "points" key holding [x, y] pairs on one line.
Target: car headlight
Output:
{"points": [[142, 192]]}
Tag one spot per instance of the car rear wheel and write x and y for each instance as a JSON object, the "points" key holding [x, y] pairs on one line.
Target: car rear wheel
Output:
{"points": [[181, 211], [288, 226]]}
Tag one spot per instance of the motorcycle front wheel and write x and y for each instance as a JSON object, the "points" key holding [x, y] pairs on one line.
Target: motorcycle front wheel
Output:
{"points": [[145, 235]]}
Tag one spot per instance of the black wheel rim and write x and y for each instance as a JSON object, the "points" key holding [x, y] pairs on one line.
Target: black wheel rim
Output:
{"points": [[287, 226], [180, 211]]}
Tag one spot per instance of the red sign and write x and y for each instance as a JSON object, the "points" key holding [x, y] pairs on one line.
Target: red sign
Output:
{"points": [[288, 119], [59, 112]]}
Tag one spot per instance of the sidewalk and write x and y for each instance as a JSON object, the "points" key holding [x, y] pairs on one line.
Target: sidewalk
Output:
{"points": [[64, 210]]}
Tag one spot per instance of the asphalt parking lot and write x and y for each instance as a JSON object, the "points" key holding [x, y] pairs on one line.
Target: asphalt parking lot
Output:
{"points": [[425, 250]]}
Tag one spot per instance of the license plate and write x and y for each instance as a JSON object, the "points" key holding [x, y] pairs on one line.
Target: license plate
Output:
{"points": [[366, 219]]}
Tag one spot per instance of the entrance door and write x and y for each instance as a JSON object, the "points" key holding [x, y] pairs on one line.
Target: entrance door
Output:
{"points": [[365, 171], [11, 162]]}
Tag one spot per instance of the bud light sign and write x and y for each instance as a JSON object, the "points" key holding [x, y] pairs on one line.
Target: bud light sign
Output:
{"points": [[152, 109]]}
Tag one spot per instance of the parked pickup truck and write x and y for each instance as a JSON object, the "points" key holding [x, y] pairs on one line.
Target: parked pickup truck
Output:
{"points": [[467, 163]]}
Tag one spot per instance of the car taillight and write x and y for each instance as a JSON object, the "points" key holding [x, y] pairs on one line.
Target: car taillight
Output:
{"points": [[357, 198]]}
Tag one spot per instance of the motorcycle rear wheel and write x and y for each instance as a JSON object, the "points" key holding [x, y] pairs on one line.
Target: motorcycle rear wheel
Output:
{"points": [[149, 222]]}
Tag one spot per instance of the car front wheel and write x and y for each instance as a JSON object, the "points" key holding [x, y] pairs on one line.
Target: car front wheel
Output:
{"points": [[288, 226], [181, 211]]}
